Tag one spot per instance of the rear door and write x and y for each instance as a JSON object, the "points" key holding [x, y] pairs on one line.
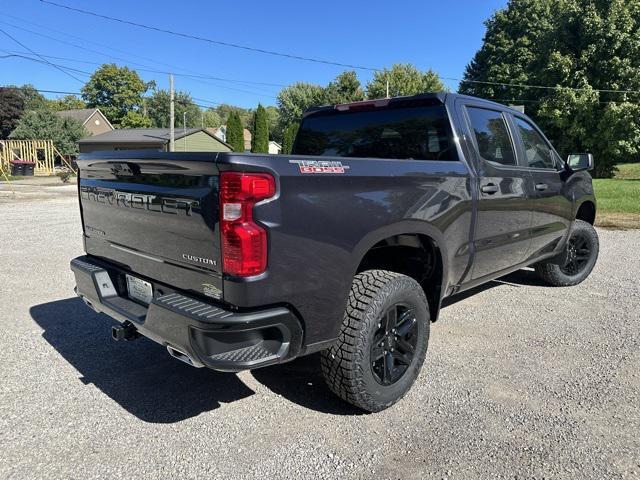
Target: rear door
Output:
{"points": [[552, 206], [505, 191]]}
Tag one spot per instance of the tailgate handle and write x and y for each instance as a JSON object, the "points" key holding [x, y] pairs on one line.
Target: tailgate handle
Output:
{"points": [[490, 189], [122, 169]]}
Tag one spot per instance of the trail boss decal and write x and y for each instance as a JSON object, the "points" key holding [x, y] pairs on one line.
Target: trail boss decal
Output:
{"points": [[314, 166]]}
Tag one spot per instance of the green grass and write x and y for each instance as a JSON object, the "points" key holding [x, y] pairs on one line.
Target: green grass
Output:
{"points": [[619, 198], [628, 171]]}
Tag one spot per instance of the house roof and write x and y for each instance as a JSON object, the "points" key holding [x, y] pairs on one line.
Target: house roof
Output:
{"points": [[152, 136], [82, 115]]}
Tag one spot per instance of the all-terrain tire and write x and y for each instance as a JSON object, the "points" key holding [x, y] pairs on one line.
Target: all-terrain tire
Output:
{"points": [[559, 275], [347, 366]]}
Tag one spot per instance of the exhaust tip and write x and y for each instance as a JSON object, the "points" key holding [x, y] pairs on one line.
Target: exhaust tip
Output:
{"points": [[183, 357]]}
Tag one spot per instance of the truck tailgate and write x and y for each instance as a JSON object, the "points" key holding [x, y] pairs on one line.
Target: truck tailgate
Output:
{"points": [[155, 214]]}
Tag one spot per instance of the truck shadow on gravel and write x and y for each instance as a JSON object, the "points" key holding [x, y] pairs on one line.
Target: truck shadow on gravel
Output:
{"points": [[140, 375], [147, 382], [150, 384]]}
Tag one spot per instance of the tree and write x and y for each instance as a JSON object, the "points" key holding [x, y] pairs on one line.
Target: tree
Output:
{"points": [[33, 99], [115, 90], [578, 48], [158, 106], [273, 119], [224, 110], [46, 125], [344, 89], [135, 119], [289, 137], [68, 102], [210, 118], [404, 79], [260, 134], [11, 109], [295, 99], [235, 133]]}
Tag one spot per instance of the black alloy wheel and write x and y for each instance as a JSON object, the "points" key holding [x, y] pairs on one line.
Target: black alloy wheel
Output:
{"points": [[394, 344], [578, 254]]}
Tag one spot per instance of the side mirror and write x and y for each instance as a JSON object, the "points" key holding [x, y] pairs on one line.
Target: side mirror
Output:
{"points": [[580, 161]]}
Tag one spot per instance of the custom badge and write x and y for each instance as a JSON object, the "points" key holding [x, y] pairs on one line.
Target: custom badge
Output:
{"points": [[320, 166]]}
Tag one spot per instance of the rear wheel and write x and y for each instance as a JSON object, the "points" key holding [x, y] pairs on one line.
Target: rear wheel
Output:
{"points": [[382, 343], [578, 260]]}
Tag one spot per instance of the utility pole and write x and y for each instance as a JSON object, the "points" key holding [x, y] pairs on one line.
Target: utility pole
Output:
{"points": [[184, 130], [387, 85], [172, 119]]}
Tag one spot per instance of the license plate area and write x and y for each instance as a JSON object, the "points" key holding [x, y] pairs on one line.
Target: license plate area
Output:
{"points": [[139, 290]]}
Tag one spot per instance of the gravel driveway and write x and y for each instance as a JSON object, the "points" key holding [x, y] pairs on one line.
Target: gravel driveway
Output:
{"points": [[521, 380]]}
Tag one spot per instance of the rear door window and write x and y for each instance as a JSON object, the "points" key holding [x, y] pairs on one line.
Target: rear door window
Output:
{"points": [[492, 136], [406, 132]]}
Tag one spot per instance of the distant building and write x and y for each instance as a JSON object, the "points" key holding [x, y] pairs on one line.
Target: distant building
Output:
{"points": [[274, 147], [92, 119], [221, 133], [195, 140]]}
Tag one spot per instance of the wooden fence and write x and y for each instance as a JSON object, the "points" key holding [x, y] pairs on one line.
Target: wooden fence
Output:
{"points": [[42, 152]]}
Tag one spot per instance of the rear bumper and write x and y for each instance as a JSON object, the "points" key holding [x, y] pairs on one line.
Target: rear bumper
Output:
{"points": [[202, 334]]}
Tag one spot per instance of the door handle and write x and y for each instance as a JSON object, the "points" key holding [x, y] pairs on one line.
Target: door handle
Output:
{"points": [[489, 188], [541, 186]]}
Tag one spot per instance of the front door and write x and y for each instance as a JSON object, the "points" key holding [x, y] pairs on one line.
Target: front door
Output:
{"points": [[505, 191], [552, 206]]}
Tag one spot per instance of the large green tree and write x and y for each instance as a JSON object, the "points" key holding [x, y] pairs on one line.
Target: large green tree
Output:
{"points": [[67, 102], [289, 138], [158, 106], [115, 90], [210, 118], [135, 119], [235, 133], [11, 109], [260, 134], [33, 99], [273, 119], [245, 115], [582, 49], [46, 125], [404, 79], [345, 88], [295, 99]]}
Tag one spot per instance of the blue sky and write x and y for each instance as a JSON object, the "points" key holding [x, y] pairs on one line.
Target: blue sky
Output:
{"points": [[430, 34]]}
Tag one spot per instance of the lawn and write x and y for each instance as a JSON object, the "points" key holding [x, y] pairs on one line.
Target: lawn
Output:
{"points": [[619, 198]]}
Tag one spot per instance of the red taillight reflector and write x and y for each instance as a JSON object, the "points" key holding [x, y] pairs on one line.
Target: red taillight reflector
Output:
{"points": [[244, 242]]}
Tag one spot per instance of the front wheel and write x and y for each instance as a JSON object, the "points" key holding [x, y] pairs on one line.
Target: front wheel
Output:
{"points": [[382, 343], [578, 260]]}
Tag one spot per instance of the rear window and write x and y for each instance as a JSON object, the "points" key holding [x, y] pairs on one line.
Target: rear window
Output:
{"points": [[419, 133]]}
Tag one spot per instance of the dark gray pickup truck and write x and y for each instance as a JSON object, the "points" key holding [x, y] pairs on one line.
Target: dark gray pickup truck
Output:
{"points": [[347, 246]]}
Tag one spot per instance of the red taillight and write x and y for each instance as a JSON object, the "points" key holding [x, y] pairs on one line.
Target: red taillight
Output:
{"points": [[244, 242]]}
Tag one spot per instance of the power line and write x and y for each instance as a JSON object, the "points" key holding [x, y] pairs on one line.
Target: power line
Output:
{"points": [[209, 40], [149, 69], [53, 65], [42, 91], [546, 87], [25, 57], [211, 102]]}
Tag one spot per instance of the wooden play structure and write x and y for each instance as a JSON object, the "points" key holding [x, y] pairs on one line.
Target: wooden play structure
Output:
{"points": [[42, 152]]}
